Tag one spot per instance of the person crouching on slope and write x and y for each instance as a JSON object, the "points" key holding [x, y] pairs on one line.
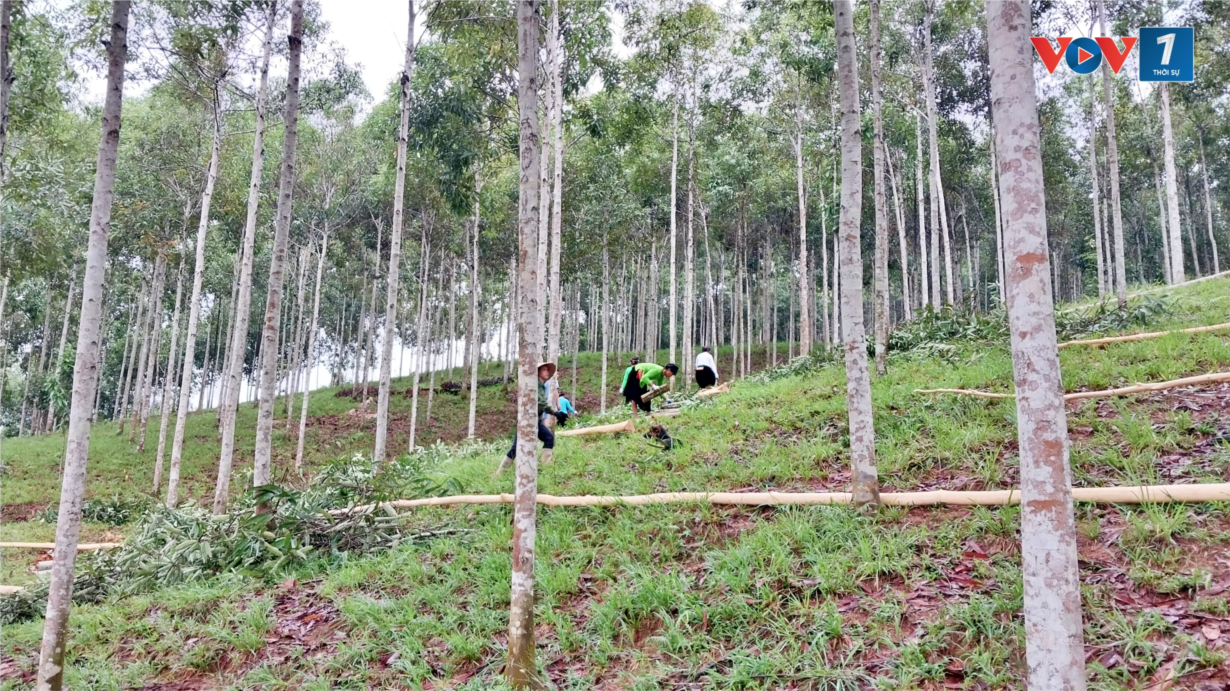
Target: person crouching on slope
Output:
{"points": [[645, 375], [546, 370], [706, 369]]}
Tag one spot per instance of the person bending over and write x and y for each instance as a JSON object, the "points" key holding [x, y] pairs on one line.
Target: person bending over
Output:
{"points": [[644, 376], [565, 409], [546, 370], [628, 388], [706, 369]]}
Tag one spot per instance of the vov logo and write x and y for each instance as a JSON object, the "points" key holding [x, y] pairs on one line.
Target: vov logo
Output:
{"points": [[1084, 55], [1167, 53]]}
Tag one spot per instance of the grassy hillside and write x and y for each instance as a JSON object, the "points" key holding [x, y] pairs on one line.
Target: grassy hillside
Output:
{"points": [[695, 596]]}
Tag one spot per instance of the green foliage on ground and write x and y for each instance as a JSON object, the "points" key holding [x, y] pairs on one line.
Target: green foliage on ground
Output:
{"points": [[701, 596]]}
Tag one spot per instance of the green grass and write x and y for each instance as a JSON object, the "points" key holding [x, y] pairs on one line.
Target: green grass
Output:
{"points": [[695, 596]]}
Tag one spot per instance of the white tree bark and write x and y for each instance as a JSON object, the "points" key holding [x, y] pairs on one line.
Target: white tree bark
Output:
{"points": [[194, 312], [1161, 221], [393, 278], [689, 264], [475, 327], [864, 484], [273, 301], [1208, 206], [674, 202], [149, 356], [806, 327], [556, 84], [924, 261], [1112, 160], [1177, 274], [238, 345], [880, 265], [895, 185], [423, 348], [933, 153], [85, 367], [521, 670], [168, 382], [1054, 650], [310, 357], [6, 85], [1097, 195], [606, 314]]}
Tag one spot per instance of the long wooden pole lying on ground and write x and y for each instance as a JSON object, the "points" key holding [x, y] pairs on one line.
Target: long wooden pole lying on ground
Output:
{"points": [[83, 547], [625, 426], [1108, 495], [1144, 336], [713, 391], [1104, 393]]}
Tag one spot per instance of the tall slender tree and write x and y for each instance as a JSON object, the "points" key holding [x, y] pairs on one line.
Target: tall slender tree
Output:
{"points": [[393, 280], [85, 366], [1177, 274], [880, 264], [1112, 164], [1054, 650], [237, 347], [273, 301], [864, 483], [521, 670]]}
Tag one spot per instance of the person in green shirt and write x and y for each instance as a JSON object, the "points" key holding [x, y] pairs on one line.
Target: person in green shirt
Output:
{"points": [[645, 375], [546, 370]]}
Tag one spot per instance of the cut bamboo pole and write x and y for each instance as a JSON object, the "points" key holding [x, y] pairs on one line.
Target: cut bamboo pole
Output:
{"points": [[713, 391], [83, 547], [1145, 494], [666, 412], [1144, 336], [10, 589], [625, 426], [1104, 393], [654, 393], [966, 392]]}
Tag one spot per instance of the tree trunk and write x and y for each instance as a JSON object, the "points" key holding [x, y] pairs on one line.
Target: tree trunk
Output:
{"points": [[880, 270], [140, 418], [6, 83], [475, 330], [1112, 156], [1208, 205], [1054, 649], [168, 382], [606, 313], [521, 670], [1097, 201], [1161, 221], [1177, 274], [296, 348], [674, 202], [422, 349], [273, 302], [895, 185], [194, 310], [933, 153], [393, 278], [689, 264], [864, 484], [225, 348], [556, 85], [206, 366], [924, 259], [1191, 223], [85, 368], [238, 346], [310, 355]]}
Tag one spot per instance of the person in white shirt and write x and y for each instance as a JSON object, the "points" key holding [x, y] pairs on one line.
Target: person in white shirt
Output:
{"points": [[706, 369]]}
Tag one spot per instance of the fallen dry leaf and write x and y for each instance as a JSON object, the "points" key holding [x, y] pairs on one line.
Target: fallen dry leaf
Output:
{"points": [[1211, 631]]}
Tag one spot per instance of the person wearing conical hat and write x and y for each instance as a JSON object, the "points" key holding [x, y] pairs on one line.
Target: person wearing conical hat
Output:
{"points": [[546, 370]]}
